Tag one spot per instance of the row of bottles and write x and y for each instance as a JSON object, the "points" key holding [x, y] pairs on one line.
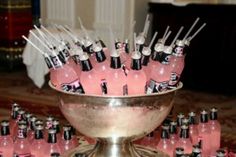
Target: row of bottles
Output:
{"points": [[186, 132], [25, 135], [88, 66]]}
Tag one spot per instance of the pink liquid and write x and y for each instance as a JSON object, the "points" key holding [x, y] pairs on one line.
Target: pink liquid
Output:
{"points": [[204, 134], [51, 148], [67, 145], [6, 146], [134, 78], [116, 81], [186, 144], [215, 135], [38, 147], [101, 69], [22, 147], [174, 139], [193, 133], [165, 146]]}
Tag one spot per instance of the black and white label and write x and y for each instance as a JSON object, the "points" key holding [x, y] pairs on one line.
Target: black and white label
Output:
{"points": [[104, 86], [22, 155], [174, 79], [178, 51], [76, 59], [74, 87], [156, 87], [56, 62]]}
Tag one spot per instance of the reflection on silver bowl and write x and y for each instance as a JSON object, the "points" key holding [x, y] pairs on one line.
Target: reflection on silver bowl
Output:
{"points": [[115, 120]]}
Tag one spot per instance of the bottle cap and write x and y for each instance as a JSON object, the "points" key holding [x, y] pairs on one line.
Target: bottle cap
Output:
{"points": [[173, 127], [5, 128], [185, 121], [159, 47], [196, 149], [204, 116], [52, 131], [5, 123], [180, 43], [55, 155], [146, 51], [180, 116], [213, 114], [192, 116], [140, 40], [164, 134], [220, 153], [179, 151]]}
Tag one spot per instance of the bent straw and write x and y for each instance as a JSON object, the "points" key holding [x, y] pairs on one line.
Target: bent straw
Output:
{"points": [[166, 31], [50, 34], [191, 28], [177, 35], [191, 37], [153, 38]]}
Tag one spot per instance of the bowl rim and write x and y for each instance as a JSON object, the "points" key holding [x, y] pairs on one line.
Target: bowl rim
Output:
{"points": [[180, 85]]}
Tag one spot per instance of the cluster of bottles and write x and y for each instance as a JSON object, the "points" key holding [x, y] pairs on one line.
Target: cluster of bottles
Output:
{"points": [[189, 135], [88, 66], [25, 135]]}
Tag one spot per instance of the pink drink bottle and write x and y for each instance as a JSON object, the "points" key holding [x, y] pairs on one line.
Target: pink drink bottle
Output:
{"points": [[21, 145], [145, 62], [13, 121], [12, 109], [116, 79], [48, 125], [180, 118], [215, 131], [32, 129], [52, 144], [20, 117], [164, 144], [89, 77], [179, 151], [177, 63], [6, 141], [204, 134], [161, 74], [38, 144], [56, 126], [184, 140], [67, 143], [193, 128], [136, 76], [173, 133]]}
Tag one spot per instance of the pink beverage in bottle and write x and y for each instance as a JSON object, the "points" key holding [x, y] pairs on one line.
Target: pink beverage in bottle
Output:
{"points": [[215, 131], [6, 141], [161, 74], [56, 126], [52, 144], [204, 132], [193, 128], [180, 118], [20, 117], [89, 77], [164, 144], [179, 152], [88, 47], [67, 143], [145, 61], [22, 145], [196, 151], [102, 64], [13, 120], [48, 125], [177, 63], [75, 140], [38, 144], [116, 79], [173, 133], [32, 129], [184, 140], [136, 76], [66, 77], [149, 141]]}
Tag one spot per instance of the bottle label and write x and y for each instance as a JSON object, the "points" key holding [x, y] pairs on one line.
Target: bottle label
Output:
{"points": [[76, 59], [165, 58], [22, 155], [125, 89], [48, 125], [56, 62], [104, 86], [74, 87], [174, 79], [156, 87], [178, 51], [21, 133]]}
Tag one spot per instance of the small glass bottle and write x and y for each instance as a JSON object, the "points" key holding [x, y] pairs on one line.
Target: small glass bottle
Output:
{"points": [[173, 133], [32, 129], [66, 143], [6, 141], [184, 140], [52, 144], [22, 145], [38, 144], [193, 128], [179, 120]]}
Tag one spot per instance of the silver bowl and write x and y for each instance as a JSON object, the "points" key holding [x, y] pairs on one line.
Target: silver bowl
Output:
{"points": [[115, 121]]}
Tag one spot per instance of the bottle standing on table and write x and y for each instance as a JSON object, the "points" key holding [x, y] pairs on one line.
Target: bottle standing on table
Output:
{"points": [[52, 144], [204, 134], [13, 120], [193, 128], [89, 77], [66, 142], [22, 145], [48, 125], [180, 118], [30, 133], [215, 131], [173, 133], [6, 141], [56, 126], [38, 144], [20, 117], [179, 151], [184, 140], [136, 76], [164, 144]]}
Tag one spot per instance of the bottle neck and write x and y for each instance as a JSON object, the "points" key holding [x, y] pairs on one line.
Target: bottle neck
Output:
{"points": [[52, 138], [213, 116], [203, 118], [126, 45], [89, 49], [165, 58], [115, 62], [86, 65], [136, 64], [173, 129], [184, 133], [100, 56], [64, 54], [145, 60], [156, 55], [164, 134], [57, 128], [14, 114], [67, 135], [38, 134], [192, 120], [5, 131]]}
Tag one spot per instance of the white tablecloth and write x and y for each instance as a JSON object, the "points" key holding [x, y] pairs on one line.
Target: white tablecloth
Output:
{"points": [[34, 60]]}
